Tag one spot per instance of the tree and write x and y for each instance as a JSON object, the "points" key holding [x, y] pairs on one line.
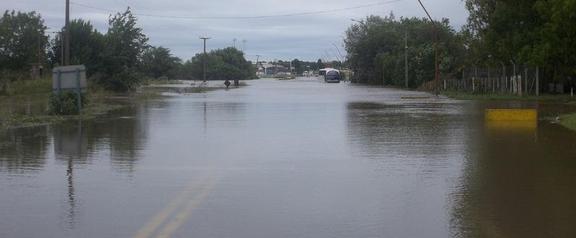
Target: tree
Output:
{"points": [[298, 67], [530, 32], [125, 44], [222, 64], [86, 45], [556, 48], [376, 50], [158, 62], [506, 27], [319, 64], [22, 40]]}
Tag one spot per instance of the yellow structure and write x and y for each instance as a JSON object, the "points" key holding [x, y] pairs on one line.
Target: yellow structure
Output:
{"points": [[511, 119], [511, 115]]}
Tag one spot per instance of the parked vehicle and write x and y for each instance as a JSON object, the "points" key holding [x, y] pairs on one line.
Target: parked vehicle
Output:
{"points": [[332, 76]]}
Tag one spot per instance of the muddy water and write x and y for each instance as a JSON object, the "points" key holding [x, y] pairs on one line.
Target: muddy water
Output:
{"points": [[297, 158]]}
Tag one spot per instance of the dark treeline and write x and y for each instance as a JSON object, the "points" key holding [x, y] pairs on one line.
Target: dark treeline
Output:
{"points": [[22, 44], [225, 64], [300, 66], [376, 48], [119, 59], [524, 32], [498, 34]]}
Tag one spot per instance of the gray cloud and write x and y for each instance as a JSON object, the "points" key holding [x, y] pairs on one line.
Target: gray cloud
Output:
{"points": [[307, 37]]}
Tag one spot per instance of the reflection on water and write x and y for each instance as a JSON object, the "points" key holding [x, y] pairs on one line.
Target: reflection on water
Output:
{"points": [[23, 150], [519, 182], [405, 131], [55, 153], [121, 137], [293, 158]]}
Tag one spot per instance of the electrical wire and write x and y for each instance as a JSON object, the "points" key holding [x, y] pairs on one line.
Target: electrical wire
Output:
{"points": [[244, 17]]}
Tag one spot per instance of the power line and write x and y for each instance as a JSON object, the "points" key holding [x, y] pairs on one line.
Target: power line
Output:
{"points": [[246, 17]]}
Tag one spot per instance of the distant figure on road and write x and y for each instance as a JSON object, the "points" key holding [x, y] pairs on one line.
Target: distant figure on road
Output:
{"points": [[227, 83]]}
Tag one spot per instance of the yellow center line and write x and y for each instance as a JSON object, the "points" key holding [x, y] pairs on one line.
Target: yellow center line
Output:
{"points": [[182, 200], [183, 215]]}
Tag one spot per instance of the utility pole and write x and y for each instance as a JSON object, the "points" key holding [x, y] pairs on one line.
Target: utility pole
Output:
{"points": [[338, 50], [67, 35], [436, 66], [204, 60], [406, 58], [257, 68], [61, 48]]}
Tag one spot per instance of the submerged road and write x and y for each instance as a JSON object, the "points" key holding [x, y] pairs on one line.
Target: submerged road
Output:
{"points": [[298, 158]]}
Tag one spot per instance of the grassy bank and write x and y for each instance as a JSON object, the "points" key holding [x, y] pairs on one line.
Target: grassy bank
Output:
{"points": [[32, 110], [25, 104], [473, 96], [26, 87], [569, 121]]}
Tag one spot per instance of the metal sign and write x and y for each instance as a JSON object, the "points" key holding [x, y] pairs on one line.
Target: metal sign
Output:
{"points": [[71, 77]]}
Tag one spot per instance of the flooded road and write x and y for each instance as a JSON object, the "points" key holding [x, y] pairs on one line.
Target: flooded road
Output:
{"points": [[296, 158]]}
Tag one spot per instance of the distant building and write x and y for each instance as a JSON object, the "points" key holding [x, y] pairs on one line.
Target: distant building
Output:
{"points": [[270, 69]]}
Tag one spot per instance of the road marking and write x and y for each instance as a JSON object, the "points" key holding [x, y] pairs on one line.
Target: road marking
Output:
{"points": [[186, 200], [183, 215]]}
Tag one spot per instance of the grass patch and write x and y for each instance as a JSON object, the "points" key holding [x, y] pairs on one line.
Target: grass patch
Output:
{"points": [[569, 121], [160, 81], [30, 86], [96, 108]]}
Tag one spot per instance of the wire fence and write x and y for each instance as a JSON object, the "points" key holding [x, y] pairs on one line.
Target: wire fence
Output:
{"points": [[514, 80]]}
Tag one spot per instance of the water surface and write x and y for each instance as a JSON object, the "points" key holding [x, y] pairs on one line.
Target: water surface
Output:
{"points": [[297, 158]]}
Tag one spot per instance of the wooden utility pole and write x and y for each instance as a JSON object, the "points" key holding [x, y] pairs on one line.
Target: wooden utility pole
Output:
{"points": [[67, 35], [61, 48], [436, 66], [204, 60], [406, 59]]}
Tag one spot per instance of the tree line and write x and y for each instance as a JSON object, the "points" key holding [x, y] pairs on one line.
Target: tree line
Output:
{"points": [[530, 33], [377, 48], [119, 59], [524, 32]]}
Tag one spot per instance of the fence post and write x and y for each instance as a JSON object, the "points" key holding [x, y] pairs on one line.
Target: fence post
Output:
{"points": [[526, 80], [474, 79], [515, 79], [78, 90], [58, 81], [537, 81]]}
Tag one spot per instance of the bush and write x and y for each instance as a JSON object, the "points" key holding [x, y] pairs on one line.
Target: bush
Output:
{"points": [[65, 103], [123, 81]]}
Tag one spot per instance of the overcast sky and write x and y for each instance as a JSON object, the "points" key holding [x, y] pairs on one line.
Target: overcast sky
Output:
{"points": [[304, 36]]}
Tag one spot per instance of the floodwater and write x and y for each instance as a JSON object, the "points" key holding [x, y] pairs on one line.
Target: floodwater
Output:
{"points": [[296, 158]]}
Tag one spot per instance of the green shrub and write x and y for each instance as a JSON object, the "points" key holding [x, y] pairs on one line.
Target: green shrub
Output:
{"points": [[65, 103], [125, 80]]}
